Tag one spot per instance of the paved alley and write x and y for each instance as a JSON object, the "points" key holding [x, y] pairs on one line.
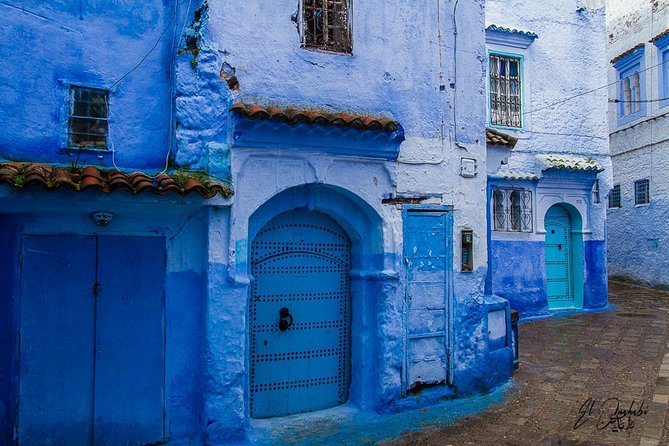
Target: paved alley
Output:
{"points": [[587, 379]]}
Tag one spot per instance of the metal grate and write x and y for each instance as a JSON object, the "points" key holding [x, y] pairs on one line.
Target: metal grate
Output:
{"points": [[326, 25], [512, 210], [614, 197], [642, 192], [88, 118], [505, 91]]}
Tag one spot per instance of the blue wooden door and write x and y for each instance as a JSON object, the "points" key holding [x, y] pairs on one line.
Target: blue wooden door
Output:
{"points": [[56, 341], [559, 275], [428, 257], [130, 343], [92, 341], [299, 315]]}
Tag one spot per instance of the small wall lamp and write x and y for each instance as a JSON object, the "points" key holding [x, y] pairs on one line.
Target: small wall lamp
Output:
{"points": [[102, 218]]}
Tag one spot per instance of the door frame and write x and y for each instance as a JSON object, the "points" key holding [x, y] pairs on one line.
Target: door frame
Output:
{"points": [[450, 369]]}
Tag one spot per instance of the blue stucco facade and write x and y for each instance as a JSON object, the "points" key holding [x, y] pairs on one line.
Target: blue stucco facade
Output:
{"points": [[555, 160], [422, 328]]}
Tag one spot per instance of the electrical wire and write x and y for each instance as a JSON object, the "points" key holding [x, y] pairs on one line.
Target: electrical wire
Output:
{"points": [[172, 76], [551, 105], [617, 101]]}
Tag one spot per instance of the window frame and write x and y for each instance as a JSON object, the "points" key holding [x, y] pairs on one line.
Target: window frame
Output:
{"points": [[626, 67], [521, 79], [637, 183], [72, 117], [513, 216], [616, 187], [662, 47], [333, 49]]}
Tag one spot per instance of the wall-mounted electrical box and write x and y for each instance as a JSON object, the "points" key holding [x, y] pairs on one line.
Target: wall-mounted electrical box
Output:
{"points": [[467, 244]]}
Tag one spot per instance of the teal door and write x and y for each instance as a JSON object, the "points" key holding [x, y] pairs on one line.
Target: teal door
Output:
{"points": [[559, 264], [299, 314]]}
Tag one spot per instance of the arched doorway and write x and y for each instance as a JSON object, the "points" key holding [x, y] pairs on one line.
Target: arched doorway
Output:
{"points": [[299, 315], [564, 280]]}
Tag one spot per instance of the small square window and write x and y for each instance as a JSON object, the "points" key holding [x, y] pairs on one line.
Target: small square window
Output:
{"points": [[88, 118], [614, 197], [505, 91], [642, 192], [326, 25]]}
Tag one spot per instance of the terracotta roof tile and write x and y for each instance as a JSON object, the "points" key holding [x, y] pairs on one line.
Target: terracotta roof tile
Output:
{"points": [[498, 138], [627, 53], [310, 116], [659, 36], [52, 177]]}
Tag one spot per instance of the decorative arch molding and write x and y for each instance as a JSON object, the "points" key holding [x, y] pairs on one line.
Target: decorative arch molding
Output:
{"points": [[362, 223], [576, 201]]}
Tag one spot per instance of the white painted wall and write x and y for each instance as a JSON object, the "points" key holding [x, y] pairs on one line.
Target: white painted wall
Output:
{"points": [[639, 235], [565, 112]]}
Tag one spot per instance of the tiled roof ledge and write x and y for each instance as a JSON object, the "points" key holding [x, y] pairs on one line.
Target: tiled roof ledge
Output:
{"points": [[495, 137], [51, 177], [509, 36], [628, 56]]}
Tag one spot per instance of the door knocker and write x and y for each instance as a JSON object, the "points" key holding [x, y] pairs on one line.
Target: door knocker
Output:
{"points": [[286, 319]]}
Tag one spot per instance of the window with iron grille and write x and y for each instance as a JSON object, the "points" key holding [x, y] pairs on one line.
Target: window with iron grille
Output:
{"points": [[512, 210], [326, 25], [614, 197], [642, 192], [87, 127], [505, 91]]}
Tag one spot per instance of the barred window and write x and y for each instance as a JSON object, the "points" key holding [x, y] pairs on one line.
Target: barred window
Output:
{"points": [[505, 91], [614, 197], [88, 118], [326, 25], [512, 210], [642, 192]]}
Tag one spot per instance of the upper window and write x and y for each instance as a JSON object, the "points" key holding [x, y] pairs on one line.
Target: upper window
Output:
{"points": [[661, 42], [631, 85], [505, 91], [512, 209], [88, 118], [642, 192], [614, 197], [326, 25]]}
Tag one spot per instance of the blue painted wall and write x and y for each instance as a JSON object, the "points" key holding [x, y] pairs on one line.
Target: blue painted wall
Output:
{"points": [[49, 46], [518, 274]]}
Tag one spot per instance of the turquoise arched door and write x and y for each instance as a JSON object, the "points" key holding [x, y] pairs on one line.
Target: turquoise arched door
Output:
{"points": [[559, 259], [299, 315]]}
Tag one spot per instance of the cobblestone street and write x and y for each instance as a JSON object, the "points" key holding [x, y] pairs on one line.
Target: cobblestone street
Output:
{"points": [[566, 361]]}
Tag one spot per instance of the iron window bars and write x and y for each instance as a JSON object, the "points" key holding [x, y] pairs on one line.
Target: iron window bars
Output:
{"points": [[615, 198], [505, 91], [512, 210], [326, 25], [88, 119], [642, 192]]}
